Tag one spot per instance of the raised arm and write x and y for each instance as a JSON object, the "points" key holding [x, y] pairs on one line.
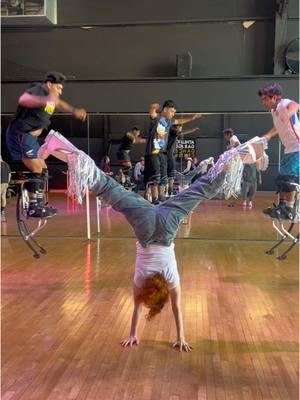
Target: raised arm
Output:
{"points": [[186, 120], [78, 113], [175, 295], [132, 338], [135, 139], [182, 133], [140, 140], [29, 100], [153, 110]]}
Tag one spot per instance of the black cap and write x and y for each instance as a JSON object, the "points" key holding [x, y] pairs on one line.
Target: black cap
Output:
{"points": [[55, 77]]}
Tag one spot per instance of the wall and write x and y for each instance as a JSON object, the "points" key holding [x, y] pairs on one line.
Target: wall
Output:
{"points": [[135, 39], [140, 51], [128, 60]]}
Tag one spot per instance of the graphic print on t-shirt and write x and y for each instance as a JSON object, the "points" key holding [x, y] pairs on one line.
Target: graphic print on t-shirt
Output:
{"points": [[50, 107], [159, 141]]}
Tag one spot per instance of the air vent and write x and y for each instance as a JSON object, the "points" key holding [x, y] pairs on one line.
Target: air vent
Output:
{"points": [[28, 12]]}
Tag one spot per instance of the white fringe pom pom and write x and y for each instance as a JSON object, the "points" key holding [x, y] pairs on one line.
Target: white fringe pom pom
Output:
{"points": [[230, 163], [82, 174]]}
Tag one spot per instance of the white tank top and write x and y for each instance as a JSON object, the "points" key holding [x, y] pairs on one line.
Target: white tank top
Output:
{"points": [[234, 140], [288, 128], [155, 258]]}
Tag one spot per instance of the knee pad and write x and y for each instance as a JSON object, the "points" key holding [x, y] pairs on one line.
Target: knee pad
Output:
{"points": [[37, 185], [44, 173], [283, 183]]}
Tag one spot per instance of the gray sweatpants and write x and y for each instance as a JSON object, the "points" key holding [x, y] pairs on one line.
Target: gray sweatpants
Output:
{"points": [[248, 190], [155, 223]]}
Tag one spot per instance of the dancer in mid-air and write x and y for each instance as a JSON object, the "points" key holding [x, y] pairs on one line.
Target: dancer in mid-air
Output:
{"points": [[36, 106], [128, 140]]}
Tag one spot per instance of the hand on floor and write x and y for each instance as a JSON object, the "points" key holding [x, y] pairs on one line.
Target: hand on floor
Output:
{"points": [[130, 341]]}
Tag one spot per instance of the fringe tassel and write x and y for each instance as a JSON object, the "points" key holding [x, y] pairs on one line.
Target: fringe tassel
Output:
{"points": [[83, 174], [230, 163]]}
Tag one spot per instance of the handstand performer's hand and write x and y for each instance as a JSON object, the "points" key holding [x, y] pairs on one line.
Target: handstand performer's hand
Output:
{"points": [[130, 341], [182, 346]]}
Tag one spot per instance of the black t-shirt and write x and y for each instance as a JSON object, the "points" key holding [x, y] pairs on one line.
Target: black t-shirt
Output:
{"points": [[172, 140], [126, 143], [158, 135], [31, 119], [5, 170]]}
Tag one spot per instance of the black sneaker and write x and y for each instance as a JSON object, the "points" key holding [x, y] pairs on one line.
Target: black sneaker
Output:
{"points": [[269, 210], [280, 212], [155, 202], [52, 209], [289, 213], [38, 211]]}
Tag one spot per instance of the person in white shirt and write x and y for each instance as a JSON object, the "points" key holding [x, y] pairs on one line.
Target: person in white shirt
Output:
{"points": [[286, 125], [231, 140]]}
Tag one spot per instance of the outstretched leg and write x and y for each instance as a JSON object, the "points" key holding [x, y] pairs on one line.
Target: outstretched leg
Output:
{"points": [[139, 213], [83, 174], [173, 211]]}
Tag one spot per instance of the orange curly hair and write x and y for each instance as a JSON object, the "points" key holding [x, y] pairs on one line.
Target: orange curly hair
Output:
{"points": [[154, 294]]}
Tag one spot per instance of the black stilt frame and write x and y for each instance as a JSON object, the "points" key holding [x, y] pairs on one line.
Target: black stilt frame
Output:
{"points": [[21, 215], [278, 225]]}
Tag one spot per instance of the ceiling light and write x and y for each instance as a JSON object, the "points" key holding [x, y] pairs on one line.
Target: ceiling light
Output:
{"points": [[247, 24]]}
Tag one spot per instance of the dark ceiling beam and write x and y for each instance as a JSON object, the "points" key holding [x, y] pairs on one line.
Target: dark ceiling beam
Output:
{"points": [[20, 27], [191, 95]]}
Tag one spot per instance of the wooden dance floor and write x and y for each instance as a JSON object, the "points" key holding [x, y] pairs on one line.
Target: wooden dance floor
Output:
{"points": [[64, 315]]}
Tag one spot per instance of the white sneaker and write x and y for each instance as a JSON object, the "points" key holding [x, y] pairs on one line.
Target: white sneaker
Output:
{"points": [[249, 205], [244, 204], [57, 145]]}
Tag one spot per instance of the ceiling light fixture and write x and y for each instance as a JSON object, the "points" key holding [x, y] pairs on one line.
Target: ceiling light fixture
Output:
{"points": [[247, 24]]}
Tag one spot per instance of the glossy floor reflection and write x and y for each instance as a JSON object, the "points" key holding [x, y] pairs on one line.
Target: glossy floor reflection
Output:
{"points": [[212, 220], [64, 315]]}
